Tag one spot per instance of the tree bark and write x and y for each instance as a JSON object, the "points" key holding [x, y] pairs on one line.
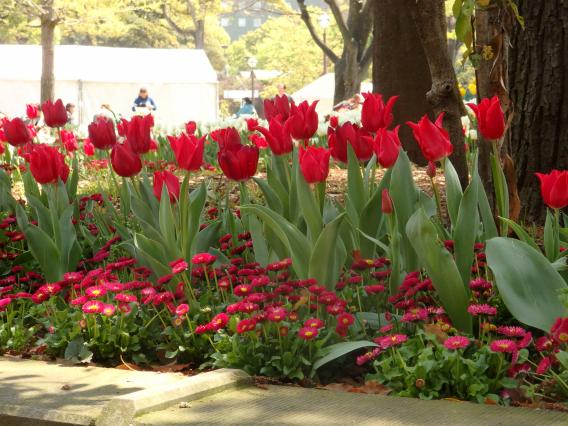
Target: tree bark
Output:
{"points": [[430, 19], [539, 96], [199, 34], [400, 68], [48, 21]]}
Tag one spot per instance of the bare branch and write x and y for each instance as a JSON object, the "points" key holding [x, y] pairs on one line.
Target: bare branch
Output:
{"points": [[306, 17], [339, 19], [367, 56]]}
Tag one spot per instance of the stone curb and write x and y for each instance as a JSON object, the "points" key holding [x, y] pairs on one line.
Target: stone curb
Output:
{"points": [[120, 411], [25, 415]]}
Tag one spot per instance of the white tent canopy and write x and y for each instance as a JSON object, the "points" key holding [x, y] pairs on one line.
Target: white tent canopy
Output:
{"points": [[182, 82], [322, 89]]}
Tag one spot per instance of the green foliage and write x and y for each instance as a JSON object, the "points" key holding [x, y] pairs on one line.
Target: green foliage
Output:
{"points": [[527, 282]]}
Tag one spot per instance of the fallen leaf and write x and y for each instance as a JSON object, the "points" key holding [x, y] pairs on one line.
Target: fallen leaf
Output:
{"points": [[435, 329]]}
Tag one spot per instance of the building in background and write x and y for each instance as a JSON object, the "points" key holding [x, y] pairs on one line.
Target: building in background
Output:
{"points": [[248, 15]]}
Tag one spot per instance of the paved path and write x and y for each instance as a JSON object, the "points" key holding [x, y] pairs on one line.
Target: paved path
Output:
{"points": [[37, 393], [279, 405]]}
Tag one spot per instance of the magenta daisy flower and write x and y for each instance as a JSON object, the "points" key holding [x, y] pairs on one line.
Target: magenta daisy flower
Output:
{"points": [[481, 309], [511, 331], [391, 340], [503, 345], [456, 342], [308, 333]]}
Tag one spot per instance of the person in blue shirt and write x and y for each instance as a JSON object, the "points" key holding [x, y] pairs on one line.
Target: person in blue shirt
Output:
{"points": [[247, 109], [144, 101]]}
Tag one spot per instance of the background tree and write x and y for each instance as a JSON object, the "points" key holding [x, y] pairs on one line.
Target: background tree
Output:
{"points": [[538, 64], [277, 52], [425, 25], [355, 27]]}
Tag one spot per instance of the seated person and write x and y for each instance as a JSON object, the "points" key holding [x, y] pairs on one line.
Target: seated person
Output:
{"points": [[144, 101]]}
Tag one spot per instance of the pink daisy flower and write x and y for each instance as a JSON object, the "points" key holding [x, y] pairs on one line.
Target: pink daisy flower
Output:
{"points": [[481, 309], [511, 331], [456, 342], [314, 323], [308, 333], [182, 309], [93, 307], [503, 345], [391, 340]]}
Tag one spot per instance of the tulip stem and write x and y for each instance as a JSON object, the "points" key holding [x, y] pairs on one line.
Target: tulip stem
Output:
{"points": [[437, 197]]}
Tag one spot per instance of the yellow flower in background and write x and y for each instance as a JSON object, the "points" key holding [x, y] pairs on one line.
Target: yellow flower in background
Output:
{"points": [[462, 91], [483, 3], [472, 87], [487, 52]]}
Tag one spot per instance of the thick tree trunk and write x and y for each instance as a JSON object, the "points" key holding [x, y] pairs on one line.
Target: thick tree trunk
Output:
{"points": [[539, 95], [48, 24], [347, 75], [430, 19], [400, 68], [492, 28]]}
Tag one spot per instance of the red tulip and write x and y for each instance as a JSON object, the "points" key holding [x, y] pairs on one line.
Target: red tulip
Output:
{"points": [[252, 123], [47, 164], [138, 133], [314, 163], [277, 136], [54, 114], [258, 141], [69, 141], [190, 127], [303, 121], [226, 137], [171, 182], [333, 121], [125, 161], [16, 132], [32, 111], [375, 114], [490, 118], [386, 202], [554, 188], [349, 133], [387, 146], [280, 105], [88, 148], [433, 139], [238, 162], [102, 134], [122, 127], [188, 151]]}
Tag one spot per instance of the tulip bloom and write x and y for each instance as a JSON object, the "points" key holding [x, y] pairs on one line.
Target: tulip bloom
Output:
{"points": [[252, 123], [102, 134], [226, 137], [303, 121], [387, 146], [279, 106], [238, 162], [16, 132], [314, 163], [375, 114], [490, 118], [88, 148], [122, 127], [32, 111], [69, 141], [190, 127], [258, 141], [47, 164], [170, 181], [54, 114], [386, 202], [125, 161], [188, 151], [277, 136], [339, 137], [138, 133], [433, 139], [554, 188]]}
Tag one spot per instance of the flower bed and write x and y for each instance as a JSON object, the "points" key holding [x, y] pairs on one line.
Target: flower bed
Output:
{"points": [[282, 280]]}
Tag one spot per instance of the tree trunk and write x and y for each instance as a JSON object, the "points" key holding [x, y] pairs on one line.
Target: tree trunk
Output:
{"points": [[347, 75], [400, 68], [539, 96], [430, 19], [200, 34], [48, 24]]}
